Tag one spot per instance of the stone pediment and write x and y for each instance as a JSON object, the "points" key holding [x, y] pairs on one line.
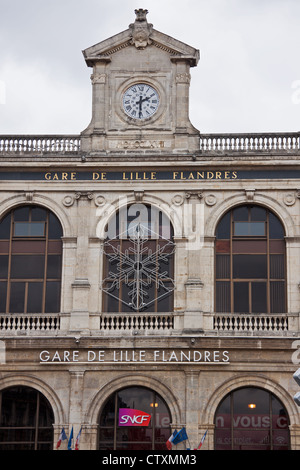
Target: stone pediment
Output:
{"points": [[141, 35]]}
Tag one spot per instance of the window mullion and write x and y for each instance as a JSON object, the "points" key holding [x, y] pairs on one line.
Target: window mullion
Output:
{"points": [[9, 263], [268, 266], [231, 264], [37, 421], [45, 264]]}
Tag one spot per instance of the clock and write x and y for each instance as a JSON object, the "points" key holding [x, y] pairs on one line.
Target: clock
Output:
{"points": [[140, 101]]}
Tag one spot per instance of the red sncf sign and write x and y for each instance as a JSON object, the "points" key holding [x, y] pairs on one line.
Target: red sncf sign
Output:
{"points": [[131, 417]]}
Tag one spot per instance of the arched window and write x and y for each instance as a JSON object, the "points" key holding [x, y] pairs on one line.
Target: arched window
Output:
{"points": [[26, 420], [135, 418], [251, 419], [138, 261], [250, 262], [30, 261]]}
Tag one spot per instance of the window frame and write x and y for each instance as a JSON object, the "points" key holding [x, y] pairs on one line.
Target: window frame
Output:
{"points": [[227, 247], [41, 247]]}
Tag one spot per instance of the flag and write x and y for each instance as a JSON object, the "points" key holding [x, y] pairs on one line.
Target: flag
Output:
{"points": [[62, 437], [70, 443], [202, 440], [180, 436], [169, 442], [77, 440]]}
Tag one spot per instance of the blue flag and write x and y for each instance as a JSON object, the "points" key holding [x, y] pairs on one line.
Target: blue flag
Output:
{"points": [[70, 443], [180, 436]]}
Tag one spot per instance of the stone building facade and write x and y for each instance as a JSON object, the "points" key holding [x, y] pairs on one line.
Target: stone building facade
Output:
{"points": [[142, 261]]}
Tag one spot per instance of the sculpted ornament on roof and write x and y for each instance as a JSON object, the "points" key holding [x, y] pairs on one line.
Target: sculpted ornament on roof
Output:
{"points": [[141, 30]]}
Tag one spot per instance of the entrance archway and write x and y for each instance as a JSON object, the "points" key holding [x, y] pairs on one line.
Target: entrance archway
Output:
{"points": [[251, 418], [26, 420], [134, 418]]}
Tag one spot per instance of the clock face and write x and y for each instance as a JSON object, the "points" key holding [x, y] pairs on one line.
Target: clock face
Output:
{"points": [[140, 101]]}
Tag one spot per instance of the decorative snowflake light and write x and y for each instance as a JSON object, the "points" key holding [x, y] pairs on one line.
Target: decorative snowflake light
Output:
{"points": [[139, 268]]}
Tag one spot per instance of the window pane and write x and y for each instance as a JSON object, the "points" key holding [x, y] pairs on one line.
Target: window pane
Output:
{"points": [[259, 297], [250, 229], [29, 229], [3, 266], [27, 266], [277, 297], [28, 246], [241, 229], [45, 413], [165, 299], [258, 213], [52, 297], [277, 267], [35, 297], [17, 297], [275, 227], [241, 297], [54, 230], [280, 422], [111, 304], [18, 407], [5, 228], [223, 296], [38, 214], [3, 287], [223, 246], [250, 266], [241, 213], [54, 267], [22, 214], [223, 266], [277, 246], [223, 230], [245, 396], [249, 246]]}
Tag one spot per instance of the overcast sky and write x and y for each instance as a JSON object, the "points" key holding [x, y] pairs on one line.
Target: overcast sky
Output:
{"points": [[247, 79]]}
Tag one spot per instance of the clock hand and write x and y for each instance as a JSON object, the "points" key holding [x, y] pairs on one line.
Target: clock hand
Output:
{"points": [[141, 100]]}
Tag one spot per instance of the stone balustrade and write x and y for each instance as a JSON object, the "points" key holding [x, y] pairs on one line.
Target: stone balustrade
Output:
{"points": [[288, 142], [43, 144], [256, 142], [114, 325]]}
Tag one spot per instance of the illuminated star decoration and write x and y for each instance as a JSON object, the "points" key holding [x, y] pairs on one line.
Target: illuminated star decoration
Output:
{"points": [[139, 268]]}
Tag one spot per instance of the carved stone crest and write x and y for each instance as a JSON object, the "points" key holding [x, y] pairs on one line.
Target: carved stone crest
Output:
{"points": [[141, 30]]}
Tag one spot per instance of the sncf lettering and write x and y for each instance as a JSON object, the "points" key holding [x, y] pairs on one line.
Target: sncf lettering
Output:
{"points": [[131, 417]]}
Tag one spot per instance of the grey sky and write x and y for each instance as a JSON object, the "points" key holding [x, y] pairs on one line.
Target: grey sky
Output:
{"points": [[247, 80]]}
